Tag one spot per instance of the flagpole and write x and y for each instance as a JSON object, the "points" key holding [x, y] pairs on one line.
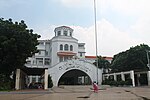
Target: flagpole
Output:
{"points": [[95, 24]]}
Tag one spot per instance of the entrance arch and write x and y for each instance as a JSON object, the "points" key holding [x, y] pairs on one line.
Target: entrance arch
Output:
{"points": [[74, 77], [61, 69]]}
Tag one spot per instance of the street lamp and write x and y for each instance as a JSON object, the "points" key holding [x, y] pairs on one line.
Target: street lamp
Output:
{"points": [[148, 64]]}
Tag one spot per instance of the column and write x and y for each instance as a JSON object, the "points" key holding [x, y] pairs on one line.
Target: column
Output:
{"points": [[132, 77], [115, 78], [30, 79], [103, 79], [122, 76], [46, 79], [17, 84], [148, 77], [138, 81]]}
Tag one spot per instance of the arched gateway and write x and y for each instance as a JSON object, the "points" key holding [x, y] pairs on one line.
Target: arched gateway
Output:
{"points": [[73, 72]]}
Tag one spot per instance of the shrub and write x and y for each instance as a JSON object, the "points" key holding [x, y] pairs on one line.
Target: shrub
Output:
{"points": [[50, 82], [6, 83]]}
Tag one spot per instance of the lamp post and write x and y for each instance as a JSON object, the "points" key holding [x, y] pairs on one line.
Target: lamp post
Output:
{"points": [[148, 65], [96, 38]]}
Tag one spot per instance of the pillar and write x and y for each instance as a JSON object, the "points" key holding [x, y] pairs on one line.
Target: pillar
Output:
{"points": [[115, 78], [17, 84], [148, 77], [138, 81], [122, 76], [103, 78], [132, 77], [46, 79]]}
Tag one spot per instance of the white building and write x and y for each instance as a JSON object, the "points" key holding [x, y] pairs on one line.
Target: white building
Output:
{"points": [[65, 59]]}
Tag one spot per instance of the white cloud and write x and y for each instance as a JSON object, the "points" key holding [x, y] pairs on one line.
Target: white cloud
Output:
{"points": [[46, 32], [127, 7], [141, 28], [110, 40], [130, 7]]}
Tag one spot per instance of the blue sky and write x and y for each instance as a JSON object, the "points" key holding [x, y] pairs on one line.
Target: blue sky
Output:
{"points": [[120, 23], [45, 12]]}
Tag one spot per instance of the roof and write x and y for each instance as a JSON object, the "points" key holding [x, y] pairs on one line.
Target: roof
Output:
{"points": [[94, 57], [90, 57], [65, 53], [60, 27], [110, 58]]}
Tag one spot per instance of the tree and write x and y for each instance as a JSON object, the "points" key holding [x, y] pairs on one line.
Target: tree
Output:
{"points": [[102, 63], [133, 59], [17, 43]]}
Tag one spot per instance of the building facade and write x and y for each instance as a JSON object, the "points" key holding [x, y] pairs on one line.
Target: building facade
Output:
{"points": [[64, 56]]}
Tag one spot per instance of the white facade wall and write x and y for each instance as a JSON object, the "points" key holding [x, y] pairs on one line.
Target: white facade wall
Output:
{"points": [[57, 41], [49, 49], [57, 71]]}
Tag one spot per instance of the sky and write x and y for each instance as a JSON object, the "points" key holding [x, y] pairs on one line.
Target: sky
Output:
{"points": [[121, 24]]}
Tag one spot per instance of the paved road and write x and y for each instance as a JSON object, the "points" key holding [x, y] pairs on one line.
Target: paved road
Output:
{"points": [[80, 93]]}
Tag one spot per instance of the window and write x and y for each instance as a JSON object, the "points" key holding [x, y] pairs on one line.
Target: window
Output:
{"points": [[46, 53], [29, 62], [61, 47], [39, 52], [39, 61], [39, 79], [47, 61], [81, 46], [65, 33], [70, 33], [66, 47], [59, 33], [34, 79], [71, 48], [80, 54]]}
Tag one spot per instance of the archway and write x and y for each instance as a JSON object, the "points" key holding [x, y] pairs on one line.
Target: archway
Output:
{"points": [[74, 77], [64, 69]]}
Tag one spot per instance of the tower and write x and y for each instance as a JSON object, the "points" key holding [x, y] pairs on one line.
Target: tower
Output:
{"points": [[63, 45]]}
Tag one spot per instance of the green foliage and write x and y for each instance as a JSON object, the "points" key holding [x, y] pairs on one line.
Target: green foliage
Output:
{"points": [[6, 82], [50, 82], [132, 59], [102, 63], [117, 83], [17, 43]]}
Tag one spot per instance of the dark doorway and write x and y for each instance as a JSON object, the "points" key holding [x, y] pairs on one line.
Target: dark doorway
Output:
{"points": [[74, 77]]}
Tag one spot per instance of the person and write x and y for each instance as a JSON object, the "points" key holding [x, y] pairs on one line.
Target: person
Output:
{"points": [[95, 87]]}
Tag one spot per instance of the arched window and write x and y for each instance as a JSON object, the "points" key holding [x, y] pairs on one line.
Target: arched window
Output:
{"points": [[61, 47], [66, 47], [71, 48]]}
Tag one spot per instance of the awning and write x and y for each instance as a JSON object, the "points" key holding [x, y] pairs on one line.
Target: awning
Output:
{"points": [[66, 54]]}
